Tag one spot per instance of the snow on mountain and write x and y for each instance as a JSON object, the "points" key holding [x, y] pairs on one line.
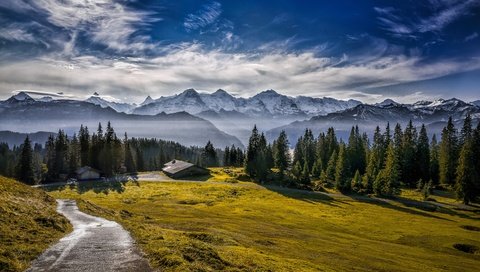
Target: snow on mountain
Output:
{"points": [[188, 101], [45, 99], [476, 103], [21, 97], [147, 101], [386, 102], [265, 104], [322, 106], [220, 100], [278, 104], [104, 103]]}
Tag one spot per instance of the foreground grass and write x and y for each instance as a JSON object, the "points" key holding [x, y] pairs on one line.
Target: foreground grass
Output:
{"points": [[29, 223], [239, 226]]}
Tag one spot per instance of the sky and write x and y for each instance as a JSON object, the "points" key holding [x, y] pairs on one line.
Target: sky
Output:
{"points": [[368, 50]]}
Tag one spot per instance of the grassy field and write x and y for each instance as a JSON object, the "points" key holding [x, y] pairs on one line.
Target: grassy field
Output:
{"points": [[28, 224], [241, 226]]}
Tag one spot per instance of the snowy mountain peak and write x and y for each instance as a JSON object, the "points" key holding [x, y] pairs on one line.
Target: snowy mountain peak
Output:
{"points": [[147, 101], [189, 92], [386, 102], [221, 92], [95, 94], [22, 96]]}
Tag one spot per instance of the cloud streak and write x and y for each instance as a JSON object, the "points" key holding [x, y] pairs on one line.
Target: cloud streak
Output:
{"points": [[206, 16], [191, 66]]}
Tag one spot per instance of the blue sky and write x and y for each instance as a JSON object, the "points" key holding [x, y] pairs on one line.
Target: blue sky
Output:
{"points": [[367, 50]]}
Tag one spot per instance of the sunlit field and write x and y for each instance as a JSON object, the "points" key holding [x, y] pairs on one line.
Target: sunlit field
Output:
{"points": [[240, 226]]}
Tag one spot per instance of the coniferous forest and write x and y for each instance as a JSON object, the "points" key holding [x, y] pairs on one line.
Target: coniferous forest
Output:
{"points": [[392, 159]]}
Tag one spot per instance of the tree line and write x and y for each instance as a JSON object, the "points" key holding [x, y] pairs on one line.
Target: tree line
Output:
{"points": [[402, 157], [62, 155]]}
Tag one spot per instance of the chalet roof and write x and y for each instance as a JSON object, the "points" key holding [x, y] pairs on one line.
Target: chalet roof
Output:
{"points": [[176, 166], [84, 169]]}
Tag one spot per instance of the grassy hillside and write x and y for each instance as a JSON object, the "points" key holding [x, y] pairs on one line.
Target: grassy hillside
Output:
{"points": [[240, 226], [28, 224]]}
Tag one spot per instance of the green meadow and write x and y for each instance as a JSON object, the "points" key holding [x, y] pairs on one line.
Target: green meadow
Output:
{"points": [[29, 224], [225, 224]]}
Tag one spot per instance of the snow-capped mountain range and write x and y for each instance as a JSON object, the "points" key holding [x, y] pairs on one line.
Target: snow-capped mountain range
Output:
{"points": [[267, 103]]}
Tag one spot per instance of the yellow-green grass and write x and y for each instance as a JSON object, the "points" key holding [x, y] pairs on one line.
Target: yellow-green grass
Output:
{"points": [[29, 223], [211, 226]]}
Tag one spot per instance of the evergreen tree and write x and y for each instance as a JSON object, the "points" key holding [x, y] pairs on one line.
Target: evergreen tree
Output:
{"points": [[226, 157], [387, 182], [252, 152], [24, 167], [467, 184], [409, 175], [73, 155], [305, 177], [375, 160], [282, 154], [357, 182], [331, 167], [434, 167], [317, 168], [209, 155], [467, 131], [84, 139], [448, 154], [423, 155], [342, 181], [129, 162]]}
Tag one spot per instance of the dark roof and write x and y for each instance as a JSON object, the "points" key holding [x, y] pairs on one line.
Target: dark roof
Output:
{"points": [[176, 166], [85, 169]]}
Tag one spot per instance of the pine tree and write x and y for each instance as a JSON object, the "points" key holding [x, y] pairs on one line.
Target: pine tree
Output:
{"points": [[466, 183], [331, 167], [467, 131], [24, 167], [226, 157], [409, 175], [84, 139], [357, 182], [129, 162], [305, 176], [423, 155], [252, 152], [317, 168], [282, 154], [73, 155], [448, 154], [342, 182], [434, 167], [209, 155], [387, 182]]}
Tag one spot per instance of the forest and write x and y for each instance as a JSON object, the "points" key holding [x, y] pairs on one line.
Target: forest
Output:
{"points": [[393, 159]]}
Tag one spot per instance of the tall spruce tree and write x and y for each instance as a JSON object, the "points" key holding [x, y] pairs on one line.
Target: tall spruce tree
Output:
{"points": [[448, 154], [252, 152], [387, 182], [342, 179], [466, 182], [423, 155], [128, 157], [209, 155], [409, 175], [434, 167], [24, 167], [282, 154]]}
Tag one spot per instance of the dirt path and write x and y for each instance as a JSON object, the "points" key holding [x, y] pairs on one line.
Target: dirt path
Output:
{"points": [[96, 244]]}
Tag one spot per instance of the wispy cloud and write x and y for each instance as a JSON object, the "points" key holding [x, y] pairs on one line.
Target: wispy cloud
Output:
{"points": [[105, 22], [191, 66], [207, 15], [443, 13], [472, 36], [14, 33]]}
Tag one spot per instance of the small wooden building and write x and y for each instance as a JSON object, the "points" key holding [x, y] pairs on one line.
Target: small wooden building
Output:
{"points": [[87, 172], [178, 169]]}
